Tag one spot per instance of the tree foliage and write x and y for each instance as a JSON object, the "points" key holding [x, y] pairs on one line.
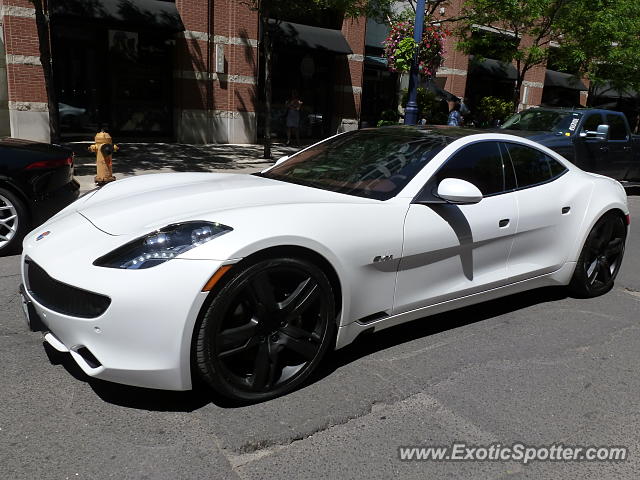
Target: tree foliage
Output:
{"points": [[530, 26], [601, 39]]}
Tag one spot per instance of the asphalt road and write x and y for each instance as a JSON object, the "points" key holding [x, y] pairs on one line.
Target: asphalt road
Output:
{"points": [[538, 368]]}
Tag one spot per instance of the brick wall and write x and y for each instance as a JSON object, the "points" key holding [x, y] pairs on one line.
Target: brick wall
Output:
{"points": [[25, 76]]}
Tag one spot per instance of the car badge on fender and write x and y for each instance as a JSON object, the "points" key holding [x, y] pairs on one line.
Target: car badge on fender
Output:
{"points": [[42, 235]]}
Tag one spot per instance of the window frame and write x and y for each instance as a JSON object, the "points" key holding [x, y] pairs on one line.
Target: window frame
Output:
{"points": [[624, 123], [552, 179], [427, 193]]}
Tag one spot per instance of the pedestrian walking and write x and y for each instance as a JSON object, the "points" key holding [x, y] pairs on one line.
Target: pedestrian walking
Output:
{"points": [[294, 104]]}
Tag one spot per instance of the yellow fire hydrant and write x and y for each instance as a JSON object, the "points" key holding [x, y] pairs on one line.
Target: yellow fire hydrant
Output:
{"points": [[103, 148]]}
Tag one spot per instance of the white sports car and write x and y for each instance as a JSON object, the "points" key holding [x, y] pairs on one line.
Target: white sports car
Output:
{"points": [[247, 280]]}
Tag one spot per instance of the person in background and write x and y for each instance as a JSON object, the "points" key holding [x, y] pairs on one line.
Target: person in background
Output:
{"points": [[455, 119], [464, 109], [294, 104]]}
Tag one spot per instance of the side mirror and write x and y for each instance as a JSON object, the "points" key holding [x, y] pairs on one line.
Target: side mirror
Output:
{"points": [[454, 190], [602, 133]]}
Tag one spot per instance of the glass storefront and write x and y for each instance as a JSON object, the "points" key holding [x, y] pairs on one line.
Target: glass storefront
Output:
{"points": [[113, 68], [116, 79]]}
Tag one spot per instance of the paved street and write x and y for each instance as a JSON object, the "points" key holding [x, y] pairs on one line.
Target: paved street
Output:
{"points": [[539, 368]]}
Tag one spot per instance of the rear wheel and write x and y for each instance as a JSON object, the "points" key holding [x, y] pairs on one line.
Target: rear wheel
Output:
{"points": [[601, 257], [266, 329], [13, 221]]}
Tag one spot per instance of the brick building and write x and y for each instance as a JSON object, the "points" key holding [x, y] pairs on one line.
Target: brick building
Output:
{"points": [[191, 71], [188, 70]]}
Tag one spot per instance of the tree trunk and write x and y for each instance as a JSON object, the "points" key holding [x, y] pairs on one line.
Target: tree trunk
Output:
{"points": [[44, 42], [267, 49], [590, 94], [516, 93]]}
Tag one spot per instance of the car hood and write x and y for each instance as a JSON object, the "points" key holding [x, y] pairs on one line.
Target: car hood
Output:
{"points": [[144, 203]]}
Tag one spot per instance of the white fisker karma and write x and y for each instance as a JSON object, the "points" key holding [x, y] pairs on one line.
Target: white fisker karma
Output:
{"points": [[247, 281]]}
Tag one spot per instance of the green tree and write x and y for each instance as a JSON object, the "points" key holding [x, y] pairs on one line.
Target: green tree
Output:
{"points": [[601, 41], [275, 10], [530, 26]]}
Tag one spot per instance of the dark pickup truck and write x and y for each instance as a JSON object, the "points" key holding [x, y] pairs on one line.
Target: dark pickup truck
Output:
{"points": [[598, 141]]}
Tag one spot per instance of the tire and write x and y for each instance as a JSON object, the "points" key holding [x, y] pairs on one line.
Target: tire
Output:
{"points": [[14, 222], [601, 257], [266, 329]]}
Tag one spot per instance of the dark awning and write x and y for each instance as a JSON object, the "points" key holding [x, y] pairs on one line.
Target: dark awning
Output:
{"points": [[134, 14], [607, 90], [306, 36], [492, 68], [564, 80], [376, 34], [373, 61], [432, 86]]}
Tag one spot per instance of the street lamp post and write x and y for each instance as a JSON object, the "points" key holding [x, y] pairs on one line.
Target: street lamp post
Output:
{"points": [[411, 112]]}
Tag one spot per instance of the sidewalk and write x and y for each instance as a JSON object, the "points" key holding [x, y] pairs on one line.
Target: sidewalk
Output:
{"points": [[145, 158]]}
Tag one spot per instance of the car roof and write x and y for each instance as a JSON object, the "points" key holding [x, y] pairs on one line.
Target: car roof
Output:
{"points": [[426, 131], [448, 133]]}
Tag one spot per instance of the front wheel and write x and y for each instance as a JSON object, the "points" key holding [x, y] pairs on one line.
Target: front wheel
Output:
{"points": [[266, 329], [601, 257]]}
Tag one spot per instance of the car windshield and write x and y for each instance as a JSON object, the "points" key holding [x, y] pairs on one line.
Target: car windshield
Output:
{"points": [[544, 121], [367, 163]]}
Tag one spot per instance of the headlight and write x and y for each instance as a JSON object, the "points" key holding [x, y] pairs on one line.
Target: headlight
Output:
{"points": [[162, 245]]}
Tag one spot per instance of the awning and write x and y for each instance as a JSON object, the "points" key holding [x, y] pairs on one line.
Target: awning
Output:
{"points": [[431, 85], [564, 80], [607, 90], [373, 61], [306, 36], [492, 68], [134, 14], [376, 34]]}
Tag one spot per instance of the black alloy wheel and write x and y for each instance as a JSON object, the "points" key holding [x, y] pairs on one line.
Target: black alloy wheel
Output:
{"points": [[266, 329], [601, 257]]}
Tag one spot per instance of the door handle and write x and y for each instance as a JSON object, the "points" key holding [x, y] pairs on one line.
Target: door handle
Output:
{"points": [[566, 210], [627, 149], [503, 223], [604, 149]]}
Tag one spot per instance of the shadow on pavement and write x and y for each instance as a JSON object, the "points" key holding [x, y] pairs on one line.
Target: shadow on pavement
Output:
{"points": [[140, 157], [367, 344]]}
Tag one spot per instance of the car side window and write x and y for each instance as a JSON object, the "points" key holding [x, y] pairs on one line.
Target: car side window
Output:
{"points": [[617, 127], [591, 123], [532, 166], [479, 163]]}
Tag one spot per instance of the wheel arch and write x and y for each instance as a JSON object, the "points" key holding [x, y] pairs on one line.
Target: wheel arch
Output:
{"points": [[618, 209], [7, 184], [305, 253]]}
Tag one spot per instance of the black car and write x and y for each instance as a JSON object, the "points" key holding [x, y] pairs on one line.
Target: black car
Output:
{"points": [[36, 181]]}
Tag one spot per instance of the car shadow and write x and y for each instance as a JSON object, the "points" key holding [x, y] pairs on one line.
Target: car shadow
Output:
{"points": [[370, 343], [366, 344]]}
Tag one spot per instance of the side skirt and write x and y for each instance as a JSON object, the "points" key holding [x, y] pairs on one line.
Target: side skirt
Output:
{"points": [[348, 333]]}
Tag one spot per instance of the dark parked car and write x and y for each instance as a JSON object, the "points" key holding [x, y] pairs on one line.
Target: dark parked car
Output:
{"points": [[36, 181], [596, 140]]}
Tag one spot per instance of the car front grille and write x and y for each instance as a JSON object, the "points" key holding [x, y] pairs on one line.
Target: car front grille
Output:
{"points": [[63, 298]]}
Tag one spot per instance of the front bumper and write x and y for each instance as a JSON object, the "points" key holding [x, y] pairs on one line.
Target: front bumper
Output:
{"points": [[144, 336]]}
